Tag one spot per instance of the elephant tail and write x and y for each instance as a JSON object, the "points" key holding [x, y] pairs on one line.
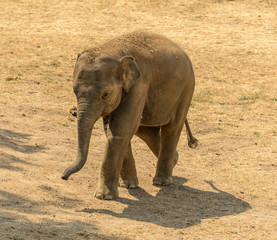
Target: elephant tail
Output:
{"points": [[192, 141]]}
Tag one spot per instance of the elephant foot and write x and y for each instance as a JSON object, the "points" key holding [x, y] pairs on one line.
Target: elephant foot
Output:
{"points": [[162, 181], [126, 183], [163, 178], [104, 192]]}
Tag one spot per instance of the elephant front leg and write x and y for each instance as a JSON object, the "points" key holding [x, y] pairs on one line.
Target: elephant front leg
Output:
{"points": [[123, 124], [128, 172], [110, 169]]}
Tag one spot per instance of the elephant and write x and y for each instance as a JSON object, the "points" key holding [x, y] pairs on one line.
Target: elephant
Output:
{"points": [[142, 84]]}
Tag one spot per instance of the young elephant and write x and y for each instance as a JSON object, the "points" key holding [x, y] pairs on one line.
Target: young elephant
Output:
{"points": [[141, 84]]}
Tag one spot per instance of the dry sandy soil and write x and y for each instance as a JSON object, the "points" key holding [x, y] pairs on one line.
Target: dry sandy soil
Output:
{"points": [[224, 189]]}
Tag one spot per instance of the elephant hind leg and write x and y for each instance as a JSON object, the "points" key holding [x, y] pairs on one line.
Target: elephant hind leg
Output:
{"points": [[170, 135], [168, 156], [128, 171], [152, 137]]}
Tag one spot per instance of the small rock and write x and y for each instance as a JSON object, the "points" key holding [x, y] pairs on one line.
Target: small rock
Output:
{"points": [[11, 78], [73, 111]]}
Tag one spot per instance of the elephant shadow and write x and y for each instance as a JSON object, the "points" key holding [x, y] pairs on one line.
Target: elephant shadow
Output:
{"points": [[15, 225], [177, 206], [16, 142]]}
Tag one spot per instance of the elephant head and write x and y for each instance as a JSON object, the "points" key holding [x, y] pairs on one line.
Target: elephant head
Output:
{"points": [[98, 83]]}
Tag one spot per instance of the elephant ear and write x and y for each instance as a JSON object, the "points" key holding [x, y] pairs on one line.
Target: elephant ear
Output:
{"points": [[75, 67], [130, 72]]}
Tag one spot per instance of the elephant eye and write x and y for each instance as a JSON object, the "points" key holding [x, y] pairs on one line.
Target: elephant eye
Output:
{"points": [[105, 95]]}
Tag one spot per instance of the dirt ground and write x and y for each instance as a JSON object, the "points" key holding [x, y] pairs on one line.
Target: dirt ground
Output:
{"points": [[224, 189]]}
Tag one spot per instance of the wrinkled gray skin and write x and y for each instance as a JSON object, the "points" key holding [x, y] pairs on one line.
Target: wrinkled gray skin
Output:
{"points": [[141, 84]]}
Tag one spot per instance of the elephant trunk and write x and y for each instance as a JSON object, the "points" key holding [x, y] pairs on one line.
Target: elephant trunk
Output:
{"points": [[86, 120]]}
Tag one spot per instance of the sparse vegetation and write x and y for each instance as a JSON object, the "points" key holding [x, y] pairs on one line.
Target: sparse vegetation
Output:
{"points": [[258, 134], [65, 124], [55, 64], [203, 96], [83, 234]]}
